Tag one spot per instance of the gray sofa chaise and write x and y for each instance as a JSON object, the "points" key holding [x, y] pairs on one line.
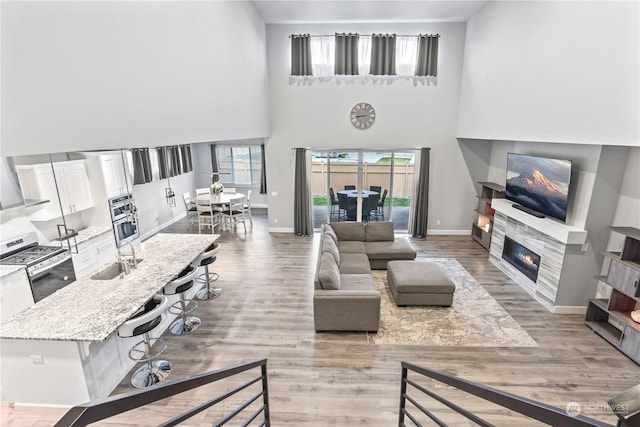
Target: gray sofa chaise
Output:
{"points": [[345, 296]]}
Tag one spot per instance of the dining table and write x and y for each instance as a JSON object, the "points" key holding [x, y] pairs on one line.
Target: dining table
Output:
{"points": [[221, 200], [352, 210]]}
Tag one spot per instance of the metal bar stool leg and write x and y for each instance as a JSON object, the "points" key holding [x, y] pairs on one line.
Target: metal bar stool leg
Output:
{"points": [[208, 292]]}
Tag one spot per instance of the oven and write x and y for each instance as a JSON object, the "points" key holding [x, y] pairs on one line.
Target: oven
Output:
{"points": [[49, 268], [126, 229], [121, 207]]}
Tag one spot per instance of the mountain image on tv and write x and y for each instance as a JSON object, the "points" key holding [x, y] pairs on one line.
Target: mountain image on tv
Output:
{"points": [[540, 184]]}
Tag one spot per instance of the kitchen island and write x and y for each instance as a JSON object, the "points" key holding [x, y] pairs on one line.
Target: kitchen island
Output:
{"points": [[65, 349]]}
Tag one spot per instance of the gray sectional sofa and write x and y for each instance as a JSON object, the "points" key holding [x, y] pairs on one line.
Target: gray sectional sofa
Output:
{"points": [[345, 296]]}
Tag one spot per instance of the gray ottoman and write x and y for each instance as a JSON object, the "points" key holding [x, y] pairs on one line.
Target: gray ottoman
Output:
{"points": [[419, 283]]}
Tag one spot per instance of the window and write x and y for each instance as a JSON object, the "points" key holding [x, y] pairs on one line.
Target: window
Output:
{"points": [[239, 164]]}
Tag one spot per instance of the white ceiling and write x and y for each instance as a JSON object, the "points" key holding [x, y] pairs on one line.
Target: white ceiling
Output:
{"points": [[324, 11]]}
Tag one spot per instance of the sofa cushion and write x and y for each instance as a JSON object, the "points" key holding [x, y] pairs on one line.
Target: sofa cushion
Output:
{"points": [[328, 273], [379, 232], [357, 282], [355, 264], [328, 231], [398, 249], [349, 230], [328, 245], [350, 247]]}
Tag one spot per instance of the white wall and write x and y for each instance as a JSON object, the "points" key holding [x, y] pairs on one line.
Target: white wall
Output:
{"points": [[556, 71], [408, 116], [79, 76]]}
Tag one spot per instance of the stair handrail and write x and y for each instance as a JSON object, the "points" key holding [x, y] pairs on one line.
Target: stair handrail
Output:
{"points": [[91, 412], [537, 410]]}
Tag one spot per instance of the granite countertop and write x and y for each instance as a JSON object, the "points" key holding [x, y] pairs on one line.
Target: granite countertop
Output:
{"points": [[83, 235], [91, 310], [8, 270]]}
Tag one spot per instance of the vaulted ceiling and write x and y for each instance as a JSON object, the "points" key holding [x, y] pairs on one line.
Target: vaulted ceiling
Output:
{"points": [[323, 11]]}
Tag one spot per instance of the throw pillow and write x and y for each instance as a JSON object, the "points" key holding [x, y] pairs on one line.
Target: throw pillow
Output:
{"points": [[328, 230], [379, 232], [328, 245], [329, 274]]}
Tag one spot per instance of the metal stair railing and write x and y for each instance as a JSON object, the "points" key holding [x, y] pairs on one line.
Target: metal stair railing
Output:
{"points": [[530, 408], [92, 412]]}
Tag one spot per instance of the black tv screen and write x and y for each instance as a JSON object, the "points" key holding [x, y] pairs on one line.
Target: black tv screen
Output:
{"points": [[539, 184]]}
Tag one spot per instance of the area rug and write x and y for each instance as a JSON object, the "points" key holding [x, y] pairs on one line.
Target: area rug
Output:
{"points": [[475, 319]]}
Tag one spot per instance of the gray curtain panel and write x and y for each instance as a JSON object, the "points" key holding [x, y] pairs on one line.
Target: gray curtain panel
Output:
{"points": [[174, 156], [301, 55], [383, 55], [346, 54], [163, 163], [141, 166], [421, 197], [263, 171], [302, 214], [427, 63], [214, 162], [185, 154]]}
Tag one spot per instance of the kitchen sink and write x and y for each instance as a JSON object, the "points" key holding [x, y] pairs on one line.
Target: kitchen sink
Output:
{"points": [[112, 271]]}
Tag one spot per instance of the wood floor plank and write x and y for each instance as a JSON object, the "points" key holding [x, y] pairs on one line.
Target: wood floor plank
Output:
{"points": [[339, 379]]}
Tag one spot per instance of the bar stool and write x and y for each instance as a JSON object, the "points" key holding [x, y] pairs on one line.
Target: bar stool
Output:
{"points": [[181, 284], [141, 323], [208, 257]]}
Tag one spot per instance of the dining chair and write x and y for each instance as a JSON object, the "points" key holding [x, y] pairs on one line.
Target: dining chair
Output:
{"points": [[349, 187], [334, 201], [190, 206], [206, 216], [371, 207], [375, 188], [343, 206], [200, 191], [235, 212], [247, 206], [381, 204], [230, 190]]}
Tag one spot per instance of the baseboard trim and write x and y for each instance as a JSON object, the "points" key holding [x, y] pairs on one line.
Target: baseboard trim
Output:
{"points": [[449, 232], [280, 230], [570, 309]]}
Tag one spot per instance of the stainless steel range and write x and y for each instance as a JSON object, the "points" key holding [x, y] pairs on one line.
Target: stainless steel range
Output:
{"points": [[49, 267]]}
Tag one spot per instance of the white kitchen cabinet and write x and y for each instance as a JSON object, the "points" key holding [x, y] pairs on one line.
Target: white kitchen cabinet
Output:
{"points": [[94, 254], [72, 193], [15, 294], [73, 185], [116, 176]]}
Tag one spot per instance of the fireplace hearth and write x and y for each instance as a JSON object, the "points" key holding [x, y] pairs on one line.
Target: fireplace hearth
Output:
{"points": [[523, 259]]}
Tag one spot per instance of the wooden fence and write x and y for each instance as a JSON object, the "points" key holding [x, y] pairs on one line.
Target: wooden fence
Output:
{"points": [[346, 173]]}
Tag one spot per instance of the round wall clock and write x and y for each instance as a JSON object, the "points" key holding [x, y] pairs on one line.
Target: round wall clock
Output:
{"points": [[362, 115]]}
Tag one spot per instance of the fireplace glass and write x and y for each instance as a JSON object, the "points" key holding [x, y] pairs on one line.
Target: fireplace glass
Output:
{"points": [[525, 260]]}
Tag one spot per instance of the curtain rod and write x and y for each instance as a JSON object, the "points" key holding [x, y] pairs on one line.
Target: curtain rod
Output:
{"points": [[397, 35]]}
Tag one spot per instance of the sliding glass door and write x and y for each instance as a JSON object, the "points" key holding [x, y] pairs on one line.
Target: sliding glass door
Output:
{"points": [[363, 186]]}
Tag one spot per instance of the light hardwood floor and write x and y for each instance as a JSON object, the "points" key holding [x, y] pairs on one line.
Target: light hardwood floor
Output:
{"points": [[332, 379]]}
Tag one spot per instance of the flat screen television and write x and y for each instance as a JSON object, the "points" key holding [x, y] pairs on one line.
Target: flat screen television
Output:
{"points": [[538, 185]]}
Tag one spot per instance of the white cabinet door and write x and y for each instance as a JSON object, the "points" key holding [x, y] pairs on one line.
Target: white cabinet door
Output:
{"points": [[73, 184], [106, 250], [15, 294], [85, 261], [114, 175], [38, 183]]}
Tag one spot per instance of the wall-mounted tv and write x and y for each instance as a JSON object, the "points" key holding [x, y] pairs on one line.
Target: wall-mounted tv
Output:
{"points": [[538, 185]]}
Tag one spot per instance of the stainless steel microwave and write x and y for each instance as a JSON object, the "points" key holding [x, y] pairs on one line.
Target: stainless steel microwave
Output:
{"points": [[121, 207]]}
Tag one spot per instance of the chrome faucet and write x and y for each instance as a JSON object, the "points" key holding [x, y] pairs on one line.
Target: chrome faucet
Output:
{"points": [[123, 260]]}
